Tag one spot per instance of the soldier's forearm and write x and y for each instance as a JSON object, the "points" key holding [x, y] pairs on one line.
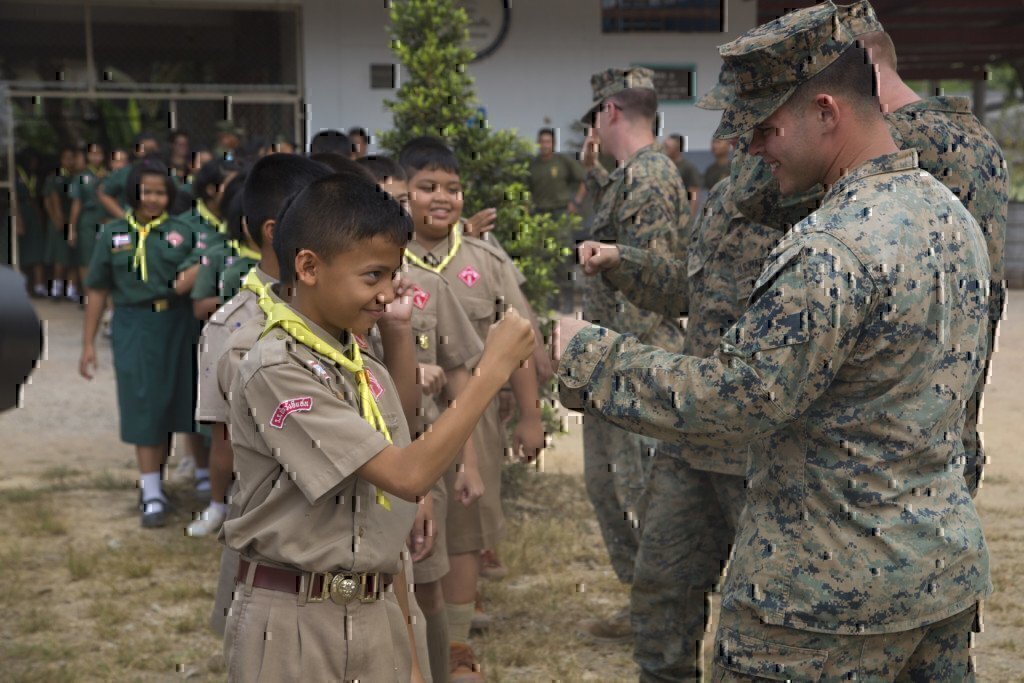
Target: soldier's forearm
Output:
{"points": [[651, 281]]}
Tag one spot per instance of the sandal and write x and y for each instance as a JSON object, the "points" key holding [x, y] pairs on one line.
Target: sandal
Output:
{"points": [[158, 517]]}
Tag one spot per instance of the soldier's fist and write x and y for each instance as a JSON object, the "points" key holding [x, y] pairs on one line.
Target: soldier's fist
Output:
{"points": [[595, 257]]}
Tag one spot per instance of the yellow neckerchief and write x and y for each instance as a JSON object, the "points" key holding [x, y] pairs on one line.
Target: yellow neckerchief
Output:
{"points": [[456, 235], [281, 315], [28, 180], [207, 215], [244, 251], [139, 261], [97, 171]]}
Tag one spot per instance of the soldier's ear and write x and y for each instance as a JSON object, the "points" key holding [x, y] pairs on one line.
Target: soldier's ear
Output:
{"points": [[827, 111]]}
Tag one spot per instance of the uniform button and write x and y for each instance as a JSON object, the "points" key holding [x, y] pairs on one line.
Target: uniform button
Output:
{"points": [[361, 531]]}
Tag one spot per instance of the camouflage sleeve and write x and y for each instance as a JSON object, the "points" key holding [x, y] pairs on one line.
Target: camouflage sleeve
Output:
{"points": [[596, 179], [651, 281], [769, 368]]}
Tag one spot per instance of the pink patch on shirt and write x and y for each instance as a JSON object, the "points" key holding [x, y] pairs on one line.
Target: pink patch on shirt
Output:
{"points": [[174, 238], [362, 342], [420, 297], [469, 276], [302, 404], [375, 388]]}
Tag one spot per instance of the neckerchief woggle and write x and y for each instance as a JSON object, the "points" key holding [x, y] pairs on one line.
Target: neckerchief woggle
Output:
{"points": [[139, 260], [456, 234], [281, 315]]}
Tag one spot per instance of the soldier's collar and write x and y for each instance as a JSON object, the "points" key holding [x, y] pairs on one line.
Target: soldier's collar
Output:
{"points": [[903, 160], [943, 103]]}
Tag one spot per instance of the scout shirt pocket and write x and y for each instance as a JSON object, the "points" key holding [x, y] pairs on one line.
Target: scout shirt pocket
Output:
{"points": [[481, 312], [424, 330], [766, 660]]}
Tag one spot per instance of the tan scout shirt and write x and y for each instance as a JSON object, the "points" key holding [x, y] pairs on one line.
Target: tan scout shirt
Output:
{"points": [[299, 436], [482, 278], [212, 405], [435, 308]]}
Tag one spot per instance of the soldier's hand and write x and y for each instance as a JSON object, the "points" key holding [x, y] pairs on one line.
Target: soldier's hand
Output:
{"points": [[421, 538], [564, 330], [481, 222], [509, 342], [431, 378], [469, 485], [595, 257], [87, 362], [591, 149]]}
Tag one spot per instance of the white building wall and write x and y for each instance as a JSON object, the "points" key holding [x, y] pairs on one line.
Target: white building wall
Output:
{"points": [[541, 71]]}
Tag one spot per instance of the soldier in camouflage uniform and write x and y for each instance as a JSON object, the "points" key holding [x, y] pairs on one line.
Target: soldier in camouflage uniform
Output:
{"points": [[957, 149], [860, 554], [642, 203]]}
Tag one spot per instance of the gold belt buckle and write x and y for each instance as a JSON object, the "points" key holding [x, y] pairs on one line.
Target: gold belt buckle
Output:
{"points": [[161, 305], [344, 588]]}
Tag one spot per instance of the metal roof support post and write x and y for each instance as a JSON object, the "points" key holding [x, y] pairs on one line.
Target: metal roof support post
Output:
{"points": [[980, 89]]}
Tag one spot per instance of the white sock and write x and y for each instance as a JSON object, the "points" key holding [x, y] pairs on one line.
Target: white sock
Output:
{"points": [[152, 488], [202, 479], [219, 508]]}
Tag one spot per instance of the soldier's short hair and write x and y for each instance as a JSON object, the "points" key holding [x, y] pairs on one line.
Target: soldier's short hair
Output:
{"points": [[332, 215], [546, 131], [637, 103], [851, 76], [881, 48]]}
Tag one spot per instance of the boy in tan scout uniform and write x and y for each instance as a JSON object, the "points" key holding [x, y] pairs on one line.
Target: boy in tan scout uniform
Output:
{"points": [[484, 281], [442, 362], [326, 472]]}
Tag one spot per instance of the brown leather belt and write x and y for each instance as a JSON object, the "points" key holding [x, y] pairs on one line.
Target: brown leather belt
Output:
{"points": [[340, 587]]}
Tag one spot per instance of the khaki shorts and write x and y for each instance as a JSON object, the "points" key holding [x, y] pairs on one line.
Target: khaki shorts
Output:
{"points": [[434, 568], [482, 524]]}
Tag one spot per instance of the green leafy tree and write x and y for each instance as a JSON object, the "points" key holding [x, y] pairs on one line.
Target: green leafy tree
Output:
{"points": [[430, 39]]}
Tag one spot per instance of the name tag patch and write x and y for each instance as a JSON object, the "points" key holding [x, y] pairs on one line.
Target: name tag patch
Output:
{"points": [[420, 297], [119, 241], [293, 405], [469, 276], [375, 387]]}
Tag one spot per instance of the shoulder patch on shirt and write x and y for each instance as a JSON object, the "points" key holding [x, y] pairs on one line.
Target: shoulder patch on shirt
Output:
{"points": [[420, 297], [174, 238], [469, 276], [120, 240], [302, 404], [375, 387]]}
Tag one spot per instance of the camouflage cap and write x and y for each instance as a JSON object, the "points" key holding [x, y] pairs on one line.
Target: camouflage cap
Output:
{"points": [[859, 18], [771, 60], [722, 93], [611, 81]]}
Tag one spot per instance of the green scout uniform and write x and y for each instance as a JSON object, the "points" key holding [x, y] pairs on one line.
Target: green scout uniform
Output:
{"points": [[553, 182], [694, 497], [153, 329], [644, 204], [223, 267], [299, 436], [857, 521], [92, 216], [32, 244], [481, 276], [715, 173], [208, 230], [58, 251], [115, 186], [954, 147]]}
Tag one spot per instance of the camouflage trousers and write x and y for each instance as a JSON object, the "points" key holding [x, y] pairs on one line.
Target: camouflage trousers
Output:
{"points": [[614, 471], [690, 520], [747, 649]]}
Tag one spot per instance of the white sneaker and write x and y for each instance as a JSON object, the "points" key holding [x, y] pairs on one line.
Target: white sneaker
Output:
{"points": [[209, 523], [55, 288], [39, 290], [72, 292]]}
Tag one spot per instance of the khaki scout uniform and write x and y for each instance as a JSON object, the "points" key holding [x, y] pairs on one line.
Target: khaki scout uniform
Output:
{"points": [[482, 278], [860, 552], [641, 204], [299, 437], [152, 329], [435, 308]]}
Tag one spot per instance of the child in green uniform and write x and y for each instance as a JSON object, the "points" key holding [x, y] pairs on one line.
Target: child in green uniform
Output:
{"points": [[208, 294], [112, 191], [31, 230], [139, 262], [87, 214], [327, 476], [60, 255], [206, 215]]}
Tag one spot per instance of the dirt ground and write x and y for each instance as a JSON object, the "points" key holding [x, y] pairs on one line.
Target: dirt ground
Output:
{"points": [[87, 595]]}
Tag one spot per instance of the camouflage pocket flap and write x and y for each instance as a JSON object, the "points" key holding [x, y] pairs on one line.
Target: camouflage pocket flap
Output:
{"points": [[763, 659]]}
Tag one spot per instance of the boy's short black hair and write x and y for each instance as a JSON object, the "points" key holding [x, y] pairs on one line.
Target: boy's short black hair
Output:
{"points": [[231, 207], [339, 163], [149, 165], [334, 213], [212, 174], [271, 181], [383, 167], [330, 141], [428, 153], [361, 132]]}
